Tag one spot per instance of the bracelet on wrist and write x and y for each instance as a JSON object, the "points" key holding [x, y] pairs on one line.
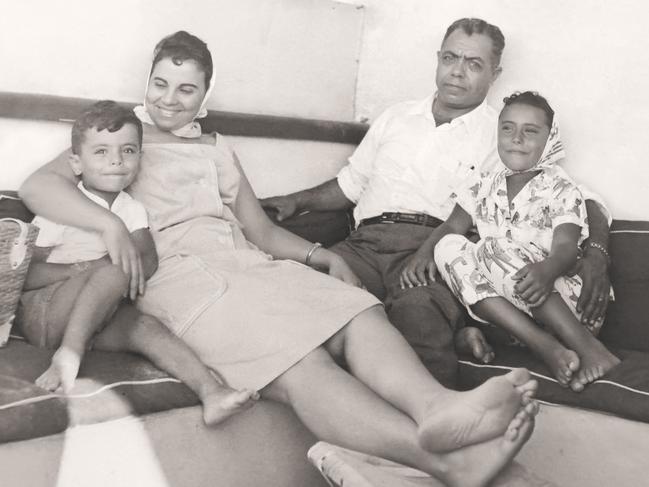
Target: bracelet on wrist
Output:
{"points": [[601, 248], [311, 251]]}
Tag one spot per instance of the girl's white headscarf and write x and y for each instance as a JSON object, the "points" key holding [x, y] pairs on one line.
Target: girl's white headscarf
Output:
{"points": [[552, 154], [190, 131]]}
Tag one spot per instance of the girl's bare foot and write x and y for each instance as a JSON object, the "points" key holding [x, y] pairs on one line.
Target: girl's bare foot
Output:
{"points": [[471, 340], [226, 402], [463, 418], [478, 464], [562, 362], [62, 372], [595, 362]]}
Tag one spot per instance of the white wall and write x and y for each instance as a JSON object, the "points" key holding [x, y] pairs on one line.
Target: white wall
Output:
{"points": [[282, 57], [588, 57]]}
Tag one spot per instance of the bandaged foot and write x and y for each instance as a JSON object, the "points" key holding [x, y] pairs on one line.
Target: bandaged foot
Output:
{"points": [[62, 371]]}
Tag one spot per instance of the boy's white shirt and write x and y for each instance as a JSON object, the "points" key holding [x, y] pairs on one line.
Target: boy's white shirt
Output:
{"points": [[72, 244]]}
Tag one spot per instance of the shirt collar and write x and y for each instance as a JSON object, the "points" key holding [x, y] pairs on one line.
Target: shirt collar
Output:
{"points": [[97, 199], [472, 120]]}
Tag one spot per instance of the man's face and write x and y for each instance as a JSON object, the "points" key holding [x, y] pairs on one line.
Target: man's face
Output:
{"points": [[465, 70]]}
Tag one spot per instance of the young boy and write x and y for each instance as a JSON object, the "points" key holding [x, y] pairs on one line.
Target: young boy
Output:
{"points": [[74, 295]]}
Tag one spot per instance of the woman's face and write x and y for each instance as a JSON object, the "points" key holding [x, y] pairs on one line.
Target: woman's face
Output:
{"points": [[175, 93], [522, 133]]}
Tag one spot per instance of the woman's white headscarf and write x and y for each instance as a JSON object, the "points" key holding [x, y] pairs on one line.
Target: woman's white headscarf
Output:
{"points": [[190, 131]]}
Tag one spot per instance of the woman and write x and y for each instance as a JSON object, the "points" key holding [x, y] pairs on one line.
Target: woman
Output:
{"points": [[276, 325]]}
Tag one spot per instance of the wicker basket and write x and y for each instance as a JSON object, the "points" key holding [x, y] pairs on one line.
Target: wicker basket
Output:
{"points": [[16, 244]]}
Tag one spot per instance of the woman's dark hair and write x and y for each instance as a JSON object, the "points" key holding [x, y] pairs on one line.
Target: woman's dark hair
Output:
{"points": [[472, 26], [182, 46], [103, 115], [531, 98]]}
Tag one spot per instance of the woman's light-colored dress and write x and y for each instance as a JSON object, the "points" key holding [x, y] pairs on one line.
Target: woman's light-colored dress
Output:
{"points": [[247, 316], [512, 235]]}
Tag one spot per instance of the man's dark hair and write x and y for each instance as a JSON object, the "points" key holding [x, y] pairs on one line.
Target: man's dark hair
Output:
{"points": [[103, 115], [182, 46], [531, 98], [472, 26]]}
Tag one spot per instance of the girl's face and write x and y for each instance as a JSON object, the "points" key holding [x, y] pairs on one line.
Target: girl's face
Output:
{"points": [[522, 133], [175, 93]]}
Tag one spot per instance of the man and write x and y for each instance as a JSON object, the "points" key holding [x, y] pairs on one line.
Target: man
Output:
{"points": [[401, 178]]}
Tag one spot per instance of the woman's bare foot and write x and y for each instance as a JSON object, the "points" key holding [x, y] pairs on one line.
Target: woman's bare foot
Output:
{"points": [[596, 361], [62, 372], [458, 419], [562, 362], [225, 402], [477, 465], [471, 340]]}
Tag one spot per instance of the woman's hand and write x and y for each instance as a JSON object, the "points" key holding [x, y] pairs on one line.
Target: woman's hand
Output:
{"points": [[123, 253], [535, 282], [419, 269], [339, 269]]}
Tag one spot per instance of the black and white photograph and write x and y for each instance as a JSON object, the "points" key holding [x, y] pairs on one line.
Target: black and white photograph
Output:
{"points": [[311, 243]]}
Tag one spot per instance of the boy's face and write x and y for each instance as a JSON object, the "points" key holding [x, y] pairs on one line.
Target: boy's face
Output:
{"points": [[108, 161], [522, 133]]}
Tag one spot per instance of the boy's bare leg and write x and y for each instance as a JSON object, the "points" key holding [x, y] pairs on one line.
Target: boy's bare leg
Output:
{"points": [[131, 331], [78, 310], [594, 357], [562, 361]]}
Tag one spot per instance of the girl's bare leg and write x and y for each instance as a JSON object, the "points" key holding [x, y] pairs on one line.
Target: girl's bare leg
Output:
{"points": [[562, 362], [380, 358], [339, 409], [131, 331], [594, 357]]}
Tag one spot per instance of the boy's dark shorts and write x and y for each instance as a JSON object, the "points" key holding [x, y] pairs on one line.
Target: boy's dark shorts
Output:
{"points": [[31, 317]]}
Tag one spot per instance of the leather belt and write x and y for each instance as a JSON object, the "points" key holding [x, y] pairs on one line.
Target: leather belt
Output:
{"points": [[412, 218]]}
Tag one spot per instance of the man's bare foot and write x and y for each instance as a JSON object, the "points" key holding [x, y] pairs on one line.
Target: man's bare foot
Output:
{"points": [[471, 340], [562, 362], [62, 372], [226, 402], [595, 362], [477, 465], [458, 419]]}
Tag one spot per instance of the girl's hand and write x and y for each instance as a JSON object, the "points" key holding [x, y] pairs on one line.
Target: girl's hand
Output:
{"points": [[339, 269], [419, 269], [535, 283], [124, 254]]}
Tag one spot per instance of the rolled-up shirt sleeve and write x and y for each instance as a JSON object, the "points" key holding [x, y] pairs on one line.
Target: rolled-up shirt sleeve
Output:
{"points": [[591, 195], [355, 176]]}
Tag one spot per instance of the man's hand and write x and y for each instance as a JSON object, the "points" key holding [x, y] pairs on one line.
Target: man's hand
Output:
{"points": [[124, 254], [419, 269], [286, 206], [339, 269], [593, 300], [535, 282]]}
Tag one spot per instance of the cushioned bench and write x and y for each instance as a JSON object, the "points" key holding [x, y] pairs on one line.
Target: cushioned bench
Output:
{"points": [[127, 423]]}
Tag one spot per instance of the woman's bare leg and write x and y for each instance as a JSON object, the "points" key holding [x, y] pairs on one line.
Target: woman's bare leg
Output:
{"points": [[131, 331], [380, 358], [339, 409], [561, 361], [595, 359]]}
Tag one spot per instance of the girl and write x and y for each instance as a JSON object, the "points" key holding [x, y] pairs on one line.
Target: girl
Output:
{"points": [[531, 219]]}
